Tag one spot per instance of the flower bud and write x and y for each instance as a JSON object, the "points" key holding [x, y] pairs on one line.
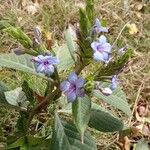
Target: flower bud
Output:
{"points": [[18, 51], [37, 33], [106, 91]]}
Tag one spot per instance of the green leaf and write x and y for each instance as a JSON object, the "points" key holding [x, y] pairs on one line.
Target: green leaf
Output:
{"points": [[67, 108], [19, 142], [3, 89], [85, 25], [21, 63], [90, 10], [41, 146], [104, 122], [99, 107], [24, 63], [113, 67], [19, 35], [70, 37], [16, 97], [81, 109], [65, 58], [66, 137], [142, 145], [29, 141], [28, 92], [117, 99], [22, 122], [35, 140], [4, 24], [84, 39]]}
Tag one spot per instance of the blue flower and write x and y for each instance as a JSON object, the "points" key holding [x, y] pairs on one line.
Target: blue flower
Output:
{"points": [[114, 82], [73, 87], [102, 49], [45, 64], [98, 27]]}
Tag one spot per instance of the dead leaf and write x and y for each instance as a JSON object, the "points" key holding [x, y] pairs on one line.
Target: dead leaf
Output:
{"points": [[38, 97], [125, 143], [132, 28], [49, 40], [141, 111]]}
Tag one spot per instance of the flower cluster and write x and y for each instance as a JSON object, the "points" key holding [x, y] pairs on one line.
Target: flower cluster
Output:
{"points": [[101, 48], [73, 87]]}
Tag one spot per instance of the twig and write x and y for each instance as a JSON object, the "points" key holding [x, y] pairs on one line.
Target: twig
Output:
{"points": [[120, 34], [45, 102], [135, 103]]}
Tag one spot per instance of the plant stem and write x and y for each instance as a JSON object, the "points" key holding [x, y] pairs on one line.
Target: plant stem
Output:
{"points": [[45, 102]]}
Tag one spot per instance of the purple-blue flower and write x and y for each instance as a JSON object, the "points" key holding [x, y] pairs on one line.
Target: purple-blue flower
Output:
{"points": [[45, 64], [98, 27], [114, 82], [73, 87], [102, 49]]}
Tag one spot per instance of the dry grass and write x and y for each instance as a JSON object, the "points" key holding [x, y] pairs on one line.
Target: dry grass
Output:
{"points": [[54, 16]]}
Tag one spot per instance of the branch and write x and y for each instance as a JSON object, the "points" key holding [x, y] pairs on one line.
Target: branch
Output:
{"points": [[41, 105]]}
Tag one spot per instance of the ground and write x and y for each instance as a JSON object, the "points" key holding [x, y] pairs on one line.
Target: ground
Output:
{"points": [[128, 22]]}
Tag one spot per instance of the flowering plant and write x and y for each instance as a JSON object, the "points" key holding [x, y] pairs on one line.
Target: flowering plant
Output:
{"points": [[73, 94]]}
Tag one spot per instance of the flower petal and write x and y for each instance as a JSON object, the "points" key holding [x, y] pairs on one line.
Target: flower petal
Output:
{"points": [[103, 29], [102, 39], [40, 68], [97, 23], [79, 82], [49, 70], [114, 82], [71, 96], [98, 56], [106, 56], [98, 27], [41, 57], [94, 45], [64, 86], [106, 47], [72, 77], [53, 60], [80, 92]]}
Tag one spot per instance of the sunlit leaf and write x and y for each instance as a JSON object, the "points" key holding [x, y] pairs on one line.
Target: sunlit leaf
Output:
{"points": [[16, 97], [64, 56], [81, 109], [21, 63], [70, 37], [117, 99], [141, 145]]}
